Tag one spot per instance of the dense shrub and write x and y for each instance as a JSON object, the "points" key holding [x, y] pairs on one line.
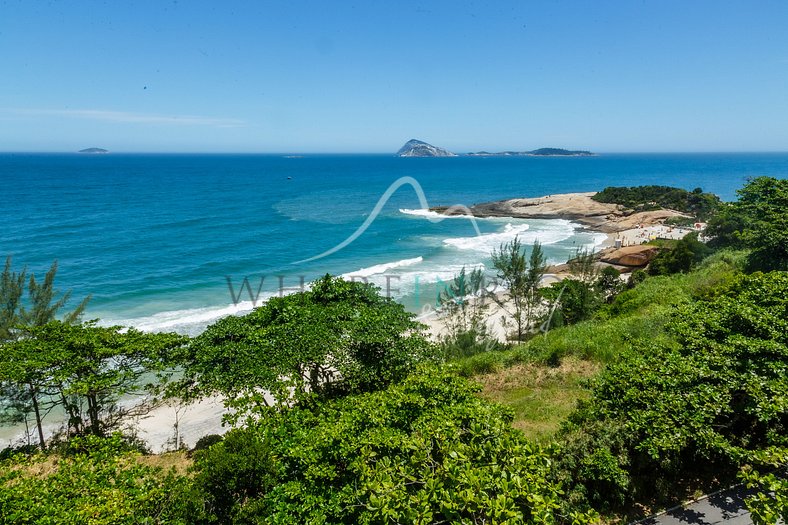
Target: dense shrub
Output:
{"points": [[693, 410], [99, 481], [758, 220], [681, 257], [337, 337], [425, 451]]}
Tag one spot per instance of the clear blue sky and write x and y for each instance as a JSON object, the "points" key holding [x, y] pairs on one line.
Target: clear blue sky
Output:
{"points": [[292, 76]]}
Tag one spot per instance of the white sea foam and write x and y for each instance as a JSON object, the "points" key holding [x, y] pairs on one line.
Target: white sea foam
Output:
{"points": [[381, 268], [430, 214], [189, 321], [553, 232]]}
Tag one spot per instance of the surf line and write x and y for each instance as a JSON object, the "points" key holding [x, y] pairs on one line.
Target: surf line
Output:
{"points": [[397, 184]]}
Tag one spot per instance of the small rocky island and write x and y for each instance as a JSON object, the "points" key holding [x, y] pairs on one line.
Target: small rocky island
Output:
{"points": [[93, 151], [418, 148]]}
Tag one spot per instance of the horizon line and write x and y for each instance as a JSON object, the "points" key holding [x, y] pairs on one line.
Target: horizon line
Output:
{"points": [[393, 154]]}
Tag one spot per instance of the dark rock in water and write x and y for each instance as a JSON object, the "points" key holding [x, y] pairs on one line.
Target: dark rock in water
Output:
{"points": [[417, 148]]}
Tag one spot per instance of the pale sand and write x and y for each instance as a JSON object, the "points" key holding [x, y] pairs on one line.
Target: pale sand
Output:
{"points": [[635, 236], [195, 420]]}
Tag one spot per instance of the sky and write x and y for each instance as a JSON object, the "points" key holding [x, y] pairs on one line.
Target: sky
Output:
{"points": [[342, 77]]}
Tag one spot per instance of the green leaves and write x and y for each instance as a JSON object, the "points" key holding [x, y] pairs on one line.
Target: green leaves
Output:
{"points": [[338, 337], [701, 406], [759, 221], [424, 451], [97, 481], [86, 369]]}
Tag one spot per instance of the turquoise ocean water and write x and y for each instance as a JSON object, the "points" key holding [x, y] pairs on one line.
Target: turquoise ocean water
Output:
{"points": [[155, 239]]}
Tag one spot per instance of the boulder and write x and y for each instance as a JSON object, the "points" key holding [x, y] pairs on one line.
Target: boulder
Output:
{"points": [[631, 255]]}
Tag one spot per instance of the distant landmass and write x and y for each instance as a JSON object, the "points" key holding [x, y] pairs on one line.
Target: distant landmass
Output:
{"points": [[93, 150], [541, 152], [418, 148]]}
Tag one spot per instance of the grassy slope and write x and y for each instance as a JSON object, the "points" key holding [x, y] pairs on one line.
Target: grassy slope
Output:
{"points": [[542, 379]]}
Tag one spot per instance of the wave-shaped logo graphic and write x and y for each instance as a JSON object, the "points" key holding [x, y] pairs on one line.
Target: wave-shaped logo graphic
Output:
{"points": [[397, 184]]}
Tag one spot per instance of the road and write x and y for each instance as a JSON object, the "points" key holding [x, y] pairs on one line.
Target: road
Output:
{"points": [[725, 507]]}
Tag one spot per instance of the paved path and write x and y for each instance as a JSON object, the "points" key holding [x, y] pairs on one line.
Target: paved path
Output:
{"points": [[725, 507]]}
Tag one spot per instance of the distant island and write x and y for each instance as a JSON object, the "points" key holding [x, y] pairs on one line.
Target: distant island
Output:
{"points": [[418, 148], [541, 152], [93, 150]]}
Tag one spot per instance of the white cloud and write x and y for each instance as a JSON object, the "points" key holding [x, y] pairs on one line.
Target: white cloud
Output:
{"points": [[130, 118]]}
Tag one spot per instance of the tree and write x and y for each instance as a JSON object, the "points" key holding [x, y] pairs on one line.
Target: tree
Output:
{"points": [[681, 258], [520, 277], [22, 398], [335, 338], [576, 301], [85, 369], [757, 220], [44, 304], [11, 290], [463, 304], [609, 283], [426, 450], [583, 267]]}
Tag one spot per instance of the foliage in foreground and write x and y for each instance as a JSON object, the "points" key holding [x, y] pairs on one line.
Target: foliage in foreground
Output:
{"points": [[338, 336], [428, 450], [98, 481], [758, 220], [675, 415]]}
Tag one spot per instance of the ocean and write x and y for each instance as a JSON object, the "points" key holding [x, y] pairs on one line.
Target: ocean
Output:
{"points": [[165, 242]]}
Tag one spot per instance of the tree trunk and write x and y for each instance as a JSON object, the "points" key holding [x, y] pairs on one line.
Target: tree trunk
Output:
{"points": [[37, 411]]}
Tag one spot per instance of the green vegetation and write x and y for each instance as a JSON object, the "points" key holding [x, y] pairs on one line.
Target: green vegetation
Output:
{"points": [[680, 256], [84, 370], [428, 450], [100, 481], [520, 276], [688, 412], [464, 303], [338, 337], [697, 203], [673, 384], [19, 385], [758, 220]]}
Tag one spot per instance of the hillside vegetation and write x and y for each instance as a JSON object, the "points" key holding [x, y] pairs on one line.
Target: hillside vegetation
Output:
{"points": [[696, 203], [627, 398]]}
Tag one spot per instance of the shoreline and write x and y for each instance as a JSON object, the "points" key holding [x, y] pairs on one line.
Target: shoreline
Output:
{"points": [[204, 417], [576, 207]]}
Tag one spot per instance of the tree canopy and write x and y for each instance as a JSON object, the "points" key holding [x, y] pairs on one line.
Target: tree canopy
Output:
{"points": [[337, 336], [758, 220]]}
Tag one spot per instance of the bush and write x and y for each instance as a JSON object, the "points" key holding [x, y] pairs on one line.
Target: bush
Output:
{"points": [[682, 257], [234, 476], [207, 441], [99, 482], [425, 451], [695, 409], [641, 198], [758, 220]]}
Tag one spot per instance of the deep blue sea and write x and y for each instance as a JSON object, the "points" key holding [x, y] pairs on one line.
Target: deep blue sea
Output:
{"points": [[164, 242]]}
